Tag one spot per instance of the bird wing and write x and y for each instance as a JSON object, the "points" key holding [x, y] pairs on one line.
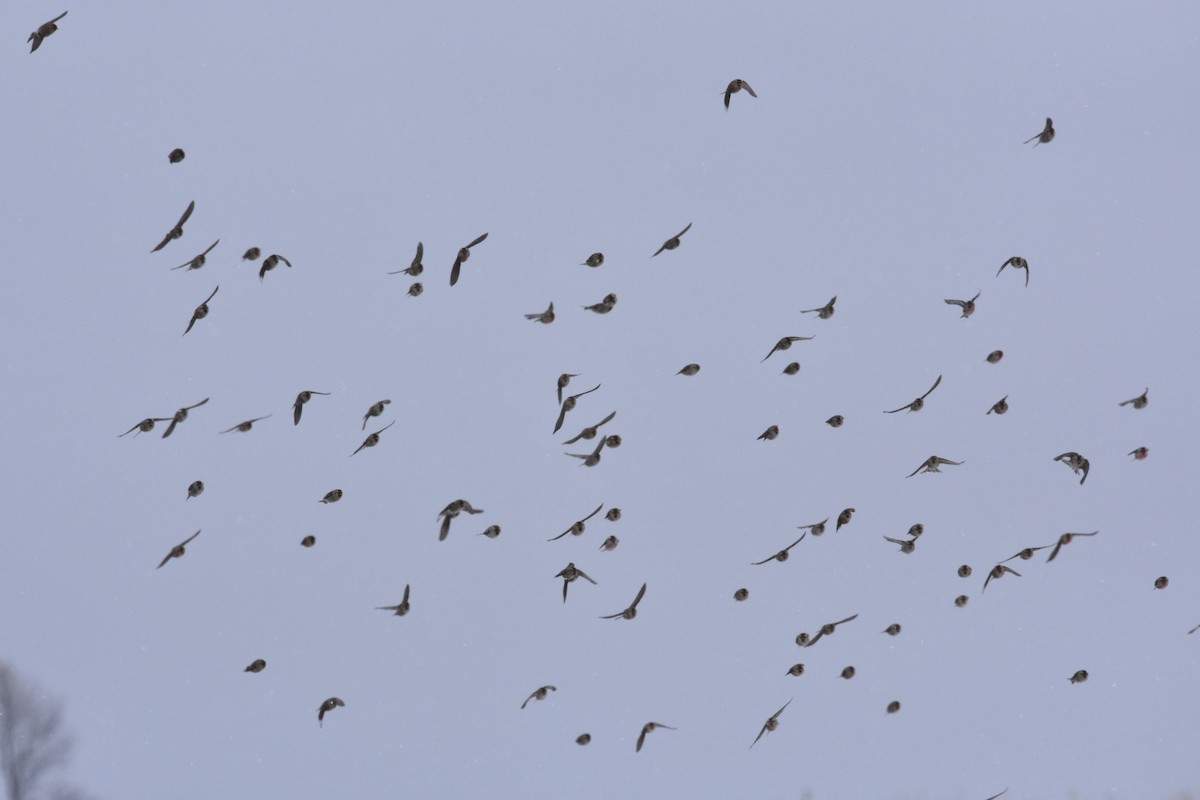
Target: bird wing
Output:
{"points": [[477, 241], [931, 388]]}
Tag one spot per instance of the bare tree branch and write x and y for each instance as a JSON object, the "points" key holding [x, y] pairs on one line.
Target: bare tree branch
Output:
{"points": [[33, 742]]}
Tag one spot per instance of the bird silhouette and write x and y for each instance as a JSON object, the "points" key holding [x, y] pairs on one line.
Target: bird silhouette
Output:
{"points": [[463, 254], [1016, 262], [968, 306], [1076, 462], [301, 399], [673, 242], [1046, 136], [201, 311], [782, 555], [373, 439], [198, 261], [630, 612], [326, 707], [177, 551], [401, 608], [735, 86], [176, 231], [919, 403], [180, 416], [44, 30], [416, 267], [771, 724], [649, 727]]}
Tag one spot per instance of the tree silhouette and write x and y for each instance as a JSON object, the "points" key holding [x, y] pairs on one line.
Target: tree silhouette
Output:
{"points": [[33, 743]]}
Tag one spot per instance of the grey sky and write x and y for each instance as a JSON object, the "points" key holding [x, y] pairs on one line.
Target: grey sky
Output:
{"points": [[882, 162]]}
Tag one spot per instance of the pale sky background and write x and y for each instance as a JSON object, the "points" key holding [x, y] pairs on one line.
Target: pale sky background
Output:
{"points": [[882, 162]]}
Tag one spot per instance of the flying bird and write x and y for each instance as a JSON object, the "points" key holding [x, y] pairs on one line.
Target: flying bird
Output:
{"points": [[824, 312], [630, 612], [828, 629], [332, 496], [252, 254], [689, 370], [569, 574], [784, 344], [604, 306], [769, 434], [416, 267], [610, 543], [919, 403], [577, 527], [257, 665], [817, 528], [1016, 262], [843, 518], [593, 458], [199, 261], [181, 415], [792, 368], [594, 260], [1080, 676], [563, 381], [932, 464], [569, 404], [735, 86], [373, 439], [892, 630], [782, 555], [590, 432], [452, 510], [994, 356], [176, 155], [327, 706], [243, 427], [539, 693], [1000, 406], [544, 317], [997, 572], [673, 242], [416, 289], [145, 426], [201, 311], [968, 306], [1027, 553], [463, 254], [906, 545], [1138, 402], [398, 610], [374, 411], [177, 231], [835, 421], [1140, 453], [270, 263], [1065, 539], [195, 489], [648, 728], [491, 532], [301, 399], [1076, 462], [177, 551], [771, 724], [1046, 136], [44, 30]]}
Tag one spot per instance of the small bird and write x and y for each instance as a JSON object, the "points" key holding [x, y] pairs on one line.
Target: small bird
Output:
{"points": [[771, 724], [1076, 462], [583, 739], [177, 551], [848, 673], [328, 705], [308, 541], [610, 543], [916, 530], [373, 439], [612, 441], [577, 527], [892, 630], [44, 30], [919, 403], [569, 405], [741, 594], [796, 670], [784, 344], [270, 263], [563, 381], [145, 426], [630, 612], [932, 464], [301, 399], [1027, 553], [201, 311], [176, 155], [594, 260], [964, 571], [802, 639], [569, 573], [1138, 402], [402, 608], [735, 86], [1140, 453], [828, 629], [835, 421], [1080, 676], [893, 707], [1000, 406], [257, 665], [452, 510], [590, 432], [243, 427], [648, 728], [1161, 582], [994, 356], [824, 312], [374, 411], [180, 416], [997, 572], [906, 545], [332, 496], [1046, 136], [544, 317], [961, 600], [1065, 539], [613, 514], [792, 368], [1016, 262], [252, 254], [782, 555], [491, 532], [843, 518], [416, 289], [968, 306], [199, 261], [463, 254], [690, 369], [416, 267], [604, 306], [770, 433], [177, 231], [195, 489], [673, 242], [817, 528], [593, 458]]}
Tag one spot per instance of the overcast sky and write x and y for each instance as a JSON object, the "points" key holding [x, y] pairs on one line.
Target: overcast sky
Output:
{"points": [[882, 162]]}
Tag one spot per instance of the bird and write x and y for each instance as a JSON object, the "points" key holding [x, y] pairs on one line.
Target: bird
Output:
{"points": [[828, 629], [308, 541], [604, 306], [1027, 553], [893, 707], [994, 357], [569, 573], [835, 421], [491, 532], [199, 261], [613, 514], [1076, 462], [968, 306], [964, 571], [848, 673], [593, 458], [1140, 453], [612, 441], [577, 527], [400, 609], [416, 289], [332, 496], [892, 630], [1065, 539], [176, 155], [1046, 136], [416, 267], [735, 86], [195, 489], [328, 705], [648, 728], [610, 543], [177, 551], [782, 555], [374, 411], [843, 518], [961, 600], [177, 231], [201, 311], [997, 572], [257, 665], [796, 670], [1000, 406], [1080, 676], [769, 434], [919, 403], [824, 312], [1138, 402], [145, 426], [673, 242], [915, 531], [452, 510], [301, 399], [630, 612], [583, 739], [906, 545], [270, 263], [44, 30], [741, 594], [252, 254], [932, 463], [544, 317], [463, 254], [180, 416], [243, 427], [792, 368], [771, 724], [373, 439], [568, 405], [563, 381], [590, 432], [539, 693], [594, 260], [1016, 262], [817, 528], [785, 343], [802, 639], [1161, 582], [689, 370]]}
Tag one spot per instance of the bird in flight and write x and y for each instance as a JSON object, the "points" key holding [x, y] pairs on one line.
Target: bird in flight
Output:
{"points": [[327, 706], [251, 254], [463, 254], [906, 545], [828, 628], [177, 551], [373, 439], [452, 510], [270, 263], [539, 693], [198, 261], [398, 610], [997, 572], [689, 370], [968, 306], [932, 464], [649, 727], [569, 574], [1016, 262], [577, 527], [301, 399], [843, 518], [1140, 453], [180, 416], [1027, 553], [176, 155], [1076, 462], [824, 312], [416, 267], [569, 404], [817, 528], [1000, 406], [145, 426], [332, 496], [177, 231], [769, 434], [1065, 539], [1138, 402], [242, 427], [594, 260], [1046, 136], [590, 432], [994, 356], [195, 489], [544, 317], [630, 612], [782, 555], [771, 724], [735, 86], [374, 411], [44, 30], [201, 311], [257, 665], [919, 403], [673, 242], [785, 343]]}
